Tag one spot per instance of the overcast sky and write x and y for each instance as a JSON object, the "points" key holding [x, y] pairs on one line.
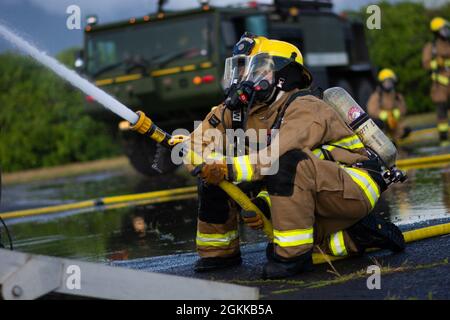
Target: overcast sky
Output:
{"points": [[44, 21]]}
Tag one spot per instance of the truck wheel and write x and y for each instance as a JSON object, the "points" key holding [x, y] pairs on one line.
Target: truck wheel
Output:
{"points": [[141, 152], [364, 90]]}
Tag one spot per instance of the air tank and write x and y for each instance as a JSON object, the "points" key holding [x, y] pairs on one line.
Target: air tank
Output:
{"points": [[360, 122]]}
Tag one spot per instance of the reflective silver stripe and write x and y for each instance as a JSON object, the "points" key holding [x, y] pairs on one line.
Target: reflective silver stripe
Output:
{"points": [[216, 239], [337, 244], [318, 153], [244, 168]]}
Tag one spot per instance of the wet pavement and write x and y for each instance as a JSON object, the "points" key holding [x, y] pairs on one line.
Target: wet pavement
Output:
{"points": [[132, 236]]}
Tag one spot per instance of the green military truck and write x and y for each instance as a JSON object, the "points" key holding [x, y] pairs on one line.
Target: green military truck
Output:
{"points": [[170, 64]]}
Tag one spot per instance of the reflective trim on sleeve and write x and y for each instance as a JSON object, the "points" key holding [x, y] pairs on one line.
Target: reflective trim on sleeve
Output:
{"points": [[366, 183], [337, 244], [292, 238], [216, 239], [350, 143], [265, 195], [243, 168], [318, 153]]}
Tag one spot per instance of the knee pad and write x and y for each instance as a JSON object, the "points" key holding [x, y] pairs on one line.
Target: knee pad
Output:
{"points": [[213, 204], [282, 183]]}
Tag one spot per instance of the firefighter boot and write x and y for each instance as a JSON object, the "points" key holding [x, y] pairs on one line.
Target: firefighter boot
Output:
{"points": [[278, 267], [216, 263], [374, 232]]}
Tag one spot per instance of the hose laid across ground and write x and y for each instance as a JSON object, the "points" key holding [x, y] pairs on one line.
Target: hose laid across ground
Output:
{"points": [[410, 236], [164, 194]]}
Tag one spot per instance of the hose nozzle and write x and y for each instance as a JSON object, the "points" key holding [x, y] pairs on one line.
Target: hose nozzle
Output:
{"points": [[143, 124]]}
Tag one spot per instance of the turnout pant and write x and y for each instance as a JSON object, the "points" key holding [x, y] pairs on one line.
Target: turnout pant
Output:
{"points": [[313, 201], [440, 95]]}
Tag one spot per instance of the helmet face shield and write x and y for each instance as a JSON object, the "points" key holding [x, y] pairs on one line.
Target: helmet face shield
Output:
{"points": [[235, 70], [253, 69]]}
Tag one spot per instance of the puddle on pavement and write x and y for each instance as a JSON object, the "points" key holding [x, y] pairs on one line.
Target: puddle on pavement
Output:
{"points": [[167, 228]]}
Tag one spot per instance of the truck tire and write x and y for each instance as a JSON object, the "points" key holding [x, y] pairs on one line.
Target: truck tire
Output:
{"points": [[363, 91], [141, 152]]}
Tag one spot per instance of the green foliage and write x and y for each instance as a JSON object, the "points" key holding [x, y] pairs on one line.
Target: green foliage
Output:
{"points": [[398, 45], [42, 119]]}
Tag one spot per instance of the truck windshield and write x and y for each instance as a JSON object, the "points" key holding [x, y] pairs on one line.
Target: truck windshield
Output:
{"points": [[148, 44]]}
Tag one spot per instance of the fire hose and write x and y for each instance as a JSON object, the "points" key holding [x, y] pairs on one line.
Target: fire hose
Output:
{"points": [[144, 125]]}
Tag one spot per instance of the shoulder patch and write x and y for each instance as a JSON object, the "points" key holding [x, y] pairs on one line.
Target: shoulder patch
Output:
{"points": [[214, 121]]}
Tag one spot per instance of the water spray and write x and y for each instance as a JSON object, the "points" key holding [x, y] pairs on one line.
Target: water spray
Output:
{"points": [[71, 76]]}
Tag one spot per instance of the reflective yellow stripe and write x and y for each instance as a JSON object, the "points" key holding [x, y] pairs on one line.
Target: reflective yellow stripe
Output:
{"points": [[130, 77], [440, 79], [350, 143], [104, 82], [383, 115], [265, 195], [328, 147], [216, 239], [433, 64], [292, 238], [366, 183], [244, 170], [442, 127], [337, 244], [165, 72], [318, 153]]}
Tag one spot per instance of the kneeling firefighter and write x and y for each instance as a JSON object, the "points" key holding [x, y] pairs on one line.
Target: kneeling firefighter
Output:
{"points": [[317, 197], [387, 106]]}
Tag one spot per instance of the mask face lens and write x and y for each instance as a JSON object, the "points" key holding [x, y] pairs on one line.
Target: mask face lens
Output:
{"points": [[388, 84], [261, 67], [236, 68]]}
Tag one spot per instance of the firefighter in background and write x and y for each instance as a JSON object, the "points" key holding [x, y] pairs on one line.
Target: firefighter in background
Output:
{"points": [[436, 58], [387, 106], [317, 197]]}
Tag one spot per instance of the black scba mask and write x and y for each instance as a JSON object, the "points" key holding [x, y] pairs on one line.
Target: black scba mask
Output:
{"points": [[388, 85], [246, 93]]}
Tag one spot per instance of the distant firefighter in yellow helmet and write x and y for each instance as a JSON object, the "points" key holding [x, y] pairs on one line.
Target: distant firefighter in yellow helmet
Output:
{"points": [[436, 59], [318, 196], [387, 106]]}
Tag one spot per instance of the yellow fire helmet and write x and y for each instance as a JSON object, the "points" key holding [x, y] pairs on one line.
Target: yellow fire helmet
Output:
{"points": [[386, 74], [437, 24], [283, 52]]}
